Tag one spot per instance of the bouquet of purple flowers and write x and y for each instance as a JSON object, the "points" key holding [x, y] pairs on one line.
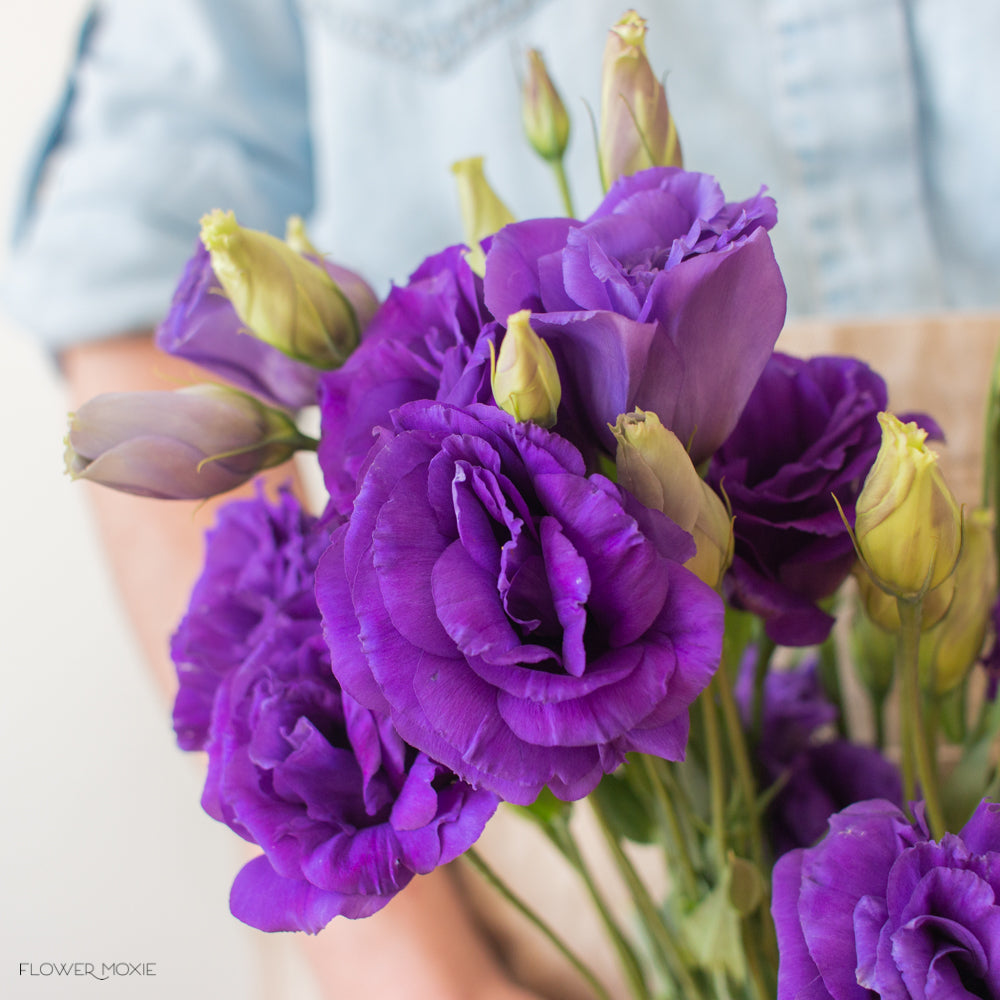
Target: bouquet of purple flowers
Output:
{"points": [[585, 535]]}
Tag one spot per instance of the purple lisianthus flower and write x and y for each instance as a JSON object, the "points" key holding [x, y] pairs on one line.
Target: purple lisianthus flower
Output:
{"points": [[427, 341], [820, 774], [345, 811], [877, 908], [521, 622], [202, 327], [260, 564], [667, 298], [810, 429]]}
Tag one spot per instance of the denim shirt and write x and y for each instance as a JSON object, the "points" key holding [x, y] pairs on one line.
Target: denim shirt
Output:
{"points": [[874, 123]]}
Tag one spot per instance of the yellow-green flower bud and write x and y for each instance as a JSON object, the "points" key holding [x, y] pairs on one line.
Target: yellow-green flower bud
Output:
{"points": [[523, 376], [297, 237], [637, 129], [543, 113], [284, 299], [654, 466], [483, 213], [949, 650], [908, 527], [883, 609]]}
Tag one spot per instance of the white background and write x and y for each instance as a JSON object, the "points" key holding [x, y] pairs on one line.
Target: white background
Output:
{"points": [[105, 855]]}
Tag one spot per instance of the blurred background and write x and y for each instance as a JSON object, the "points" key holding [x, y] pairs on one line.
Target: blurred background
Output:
{"points": [[105, 855]]}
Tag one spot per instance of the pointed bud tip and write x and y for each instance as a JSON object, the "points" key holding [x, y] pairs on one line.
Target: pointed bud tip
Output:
{"points": [[631, 29], [523, 374], [217, 227]]}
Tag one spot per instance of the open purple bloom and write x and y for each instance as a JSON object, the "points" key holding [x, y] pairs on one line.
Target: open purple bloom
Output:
{"points": [[345, 811], [260, 563], [879, 909], [667, 298], [424, 343], [820, 773], [202, 327], [521, 622], [809, 430]]}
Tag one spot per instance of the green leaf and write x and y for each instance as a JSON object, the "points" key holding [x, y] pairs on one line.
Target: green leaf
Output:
{"points": [[629, 815], [712, 932]]}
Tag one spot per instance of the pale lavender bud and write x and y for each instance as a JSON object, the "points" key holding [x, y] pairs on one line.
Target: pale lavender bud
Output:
{"points": [[183, 445]]}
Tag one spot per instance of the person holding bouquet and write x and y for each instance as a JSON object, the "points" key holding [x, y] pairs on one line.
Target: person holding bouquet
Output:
{"points": [[336, 110]]}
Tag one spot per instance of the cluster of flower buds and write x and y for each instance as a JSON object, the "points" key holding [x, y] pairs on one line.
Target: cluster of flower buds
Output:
{"points": [[654, 466], [247, 303], [914, 545]]}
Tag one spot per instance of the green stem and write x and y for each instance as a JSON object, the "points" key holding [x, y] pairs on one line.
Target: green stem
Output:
{"points": [[830, 676], [741, 759], [748, 788], [765, 650], [668, 811], [563, 183], [878, 711], [910, 613], [477, 862], [762, 989], [563, 839], [716, 777], [669, 958]]}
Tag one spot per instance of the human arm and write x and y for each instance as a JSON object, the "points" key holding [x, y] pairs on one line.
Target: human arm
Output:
{"points": [[423, 944]]}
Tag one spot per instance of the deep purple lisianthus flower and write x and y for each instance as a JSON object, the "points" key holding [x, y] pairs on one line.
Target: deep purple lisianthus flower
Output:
{"points": [[879, 909], [427, 341], [345, 811], [260, 563], [821, 774], [521, 622], [666, 298], [810, 429], [202, 327]]}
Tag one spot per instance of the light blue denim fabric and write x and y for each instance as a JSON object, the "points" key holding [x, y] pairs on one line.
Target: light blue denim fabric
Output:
{"points": [[874, 123]]}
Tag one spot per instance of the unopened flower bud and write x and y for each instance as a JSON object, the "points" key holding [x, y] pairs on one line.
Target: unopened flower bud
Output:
{"points": [[908, 527], [183, 445], [297, 237], [543, 113], [654, 466], [282, 297], [483, 213], [949, 650], [353, 287], [523, 376], [883, 609], [637, 129]]}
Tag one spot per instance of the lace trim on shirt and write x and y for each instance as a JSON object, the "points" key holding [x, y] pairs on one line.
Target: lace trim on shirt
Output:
{"points": [[432, 37]]}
